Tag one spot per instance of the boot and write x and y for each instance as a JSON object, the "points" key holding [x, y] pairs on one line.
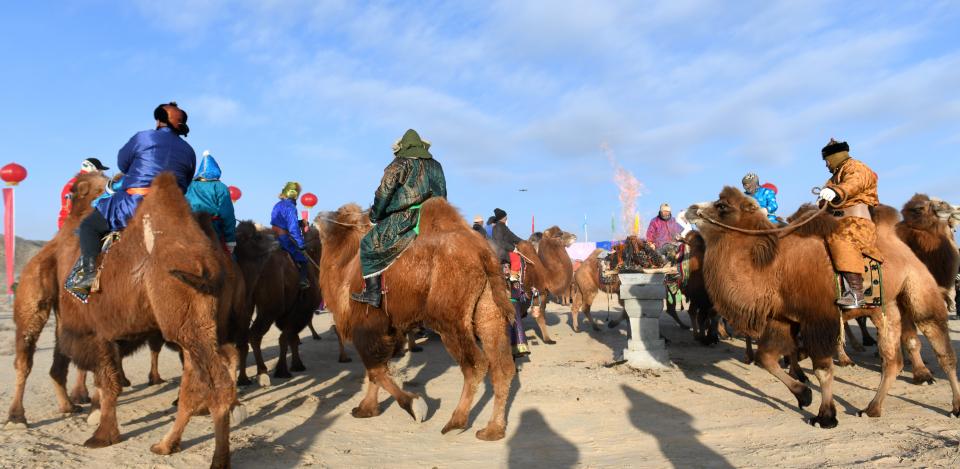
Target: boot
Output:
{"points": [[371, 294], [304, 275], [852, 297], [82, 281]]}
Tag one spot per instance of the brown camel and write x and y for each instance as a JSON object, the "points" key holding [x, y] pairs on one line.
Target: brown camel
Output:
{"points": [[927, 233], [164, 274], [776, 288], [704, 320], [586, 285], [549, 270], [449, 280], [277, 297]]}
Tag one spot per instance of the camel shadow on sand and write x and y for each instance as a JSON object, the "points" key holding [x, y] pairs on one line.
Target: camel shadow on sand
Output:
{"points": [[673, 430], [535, 443]]}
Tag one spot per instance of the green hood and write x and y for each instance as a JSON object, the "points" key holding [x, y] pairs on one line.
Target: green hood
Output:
{"points": [[412, 146]]}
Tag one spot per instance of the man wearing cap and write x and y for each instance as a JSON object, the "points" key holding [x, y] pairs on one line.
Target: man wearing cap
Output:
{"points": [[478, 226], [286, 225], [506, 242], [207, 194], [88, 165], [408, 181], [663, 229], [851, 194], [143, 158], [764, 196]]}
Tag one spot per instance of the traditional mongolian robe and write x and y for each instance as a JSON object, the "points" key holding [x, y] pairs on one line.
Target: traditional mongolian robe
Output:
{"points": [[856, 188], [768, 201], [208, 195], [410, 180], [142, 159], [286, 224]]}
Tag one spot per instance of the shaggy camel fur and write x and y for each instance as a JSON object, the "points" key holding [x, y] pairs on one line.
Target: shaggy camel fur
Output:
{"points": [[586, 285], [797, 297], [449, 280], [704, 320], [164, 274]]}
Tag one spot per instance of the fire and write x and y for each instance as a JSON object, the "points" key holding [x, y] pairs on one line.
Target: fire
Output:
{"points": [[629, 186]]}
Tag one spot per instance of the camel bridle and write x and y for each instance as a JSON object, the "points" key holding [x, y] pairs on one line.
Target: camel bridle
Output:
{"points": [[780, 232]]}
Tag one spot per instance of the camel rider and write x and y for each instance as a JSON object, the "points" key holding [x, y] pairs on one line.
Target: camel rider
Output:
{"points": [[764, 196], [286, 224], [89, 165], [144, 157], [408, 181], [506, 242], [852, 195], [208, 195]]}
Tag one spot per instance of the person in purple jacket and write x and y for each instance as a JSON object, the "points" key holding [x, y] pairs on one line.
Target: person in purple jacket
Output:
{"points": [[144, 157], [663, 229], [286, 224]]}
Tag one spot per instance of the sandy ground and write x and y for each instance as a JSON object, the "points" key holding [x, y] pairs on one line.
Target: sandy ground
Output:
{"points": [[570, 409]]}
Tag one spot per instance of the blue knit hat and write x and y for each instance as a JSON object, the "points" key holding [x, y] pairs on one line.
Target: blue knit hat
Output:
{"points": [[208, 170]]}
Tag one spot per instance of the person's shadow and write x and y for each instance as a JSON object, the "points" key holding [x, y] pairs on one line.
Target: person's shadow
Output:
{"points": [[535, 444], [673, 430]]}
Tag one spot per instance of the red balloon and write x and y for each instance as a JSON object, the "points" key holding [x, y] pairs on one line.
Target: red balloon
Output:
{"points": [[308, 200], [13, 174], [235, 193]]}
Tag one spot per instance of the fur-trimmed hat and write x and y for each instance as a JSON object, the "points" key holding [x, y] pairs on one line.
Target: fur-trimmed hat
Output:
{"points": [[834, 147], [499, 214]]}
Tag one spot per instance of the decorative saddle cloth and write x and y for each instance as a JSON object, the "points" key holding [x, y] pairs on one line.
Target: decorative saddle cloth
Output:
{"points": [[108, 242], [872, 283]]}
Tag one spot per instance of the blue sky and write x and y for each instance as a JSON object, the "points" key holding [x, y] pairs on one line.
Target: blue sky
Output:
{"points": [[688, 95]]}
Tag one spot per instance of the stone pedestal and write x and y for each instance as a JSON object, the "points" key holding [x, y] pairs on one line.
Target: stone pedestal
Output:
{"points": [[643, 296]]}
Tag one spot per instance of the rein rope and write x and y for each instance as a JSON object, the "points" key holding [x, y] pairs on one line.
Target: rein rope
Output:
{"points": [[781, 232], [351, 225]]}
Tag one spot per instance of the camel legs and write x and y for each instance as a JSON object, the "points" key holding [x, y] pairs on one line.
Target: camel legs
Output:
{"points": [[463, 348], [156, 345], [939, 337], [189, 402], [496, 347], [29, 322], [259, 328], [281, 370], [343, 353], [58, 373], [412, 403], [538, 315], [911, 342], [296, 364], [313, 332], [370, 405], [79, 394], [888, 335], [108, 385], [776, 342], [823, 369], [868, 341]]}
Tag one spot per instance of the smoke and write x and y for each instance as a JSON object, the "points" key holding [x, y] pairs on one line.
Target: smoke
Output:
{"points": [[629, 187]]}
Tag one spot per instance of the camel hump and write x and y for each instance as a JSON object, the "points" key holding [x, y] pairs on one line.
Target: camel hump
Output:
{"points": [[437, 216], [593, 255], [164, 182], [885, 215]]}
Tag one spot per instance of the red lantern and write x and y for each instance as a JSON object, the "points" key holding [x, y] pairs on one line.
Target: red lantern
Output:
{"points": [[13, 173], [308, 200], [235, 193]]}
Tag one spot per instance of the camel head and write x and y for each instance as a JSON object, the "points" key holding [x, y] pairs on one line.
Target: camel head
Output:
{"points": [[89, 186], [734, 208], [554, 232], [347, 222], [921, 213]]}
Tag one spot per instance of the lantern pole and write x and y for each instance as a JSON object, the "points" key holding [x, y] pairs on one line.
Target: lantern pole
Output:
{"points": [[9, 237]]}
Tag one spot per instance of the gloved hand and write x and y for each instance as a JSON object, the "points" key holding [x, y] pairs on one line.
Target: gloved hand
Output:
{"points": [[231, 246], [828, 194]]}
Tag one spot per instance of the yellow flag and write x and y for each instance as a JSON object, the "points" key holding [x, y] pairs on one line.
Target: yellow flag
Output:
{"points": [[636, 223]]}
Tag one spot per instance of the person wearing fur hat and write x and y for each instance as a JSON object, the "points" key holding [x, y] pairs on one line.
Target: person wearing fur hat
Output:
{"points": [[88, 165], [851, 194], [286, 224], [408, 181], [207, 194], [478, 226], [764, 196], [506, 242], [143, 158]]}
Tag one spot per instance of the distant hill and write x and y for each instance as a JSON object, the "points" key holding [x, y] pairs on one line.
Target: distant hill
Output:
{"points": [[25, 250]]}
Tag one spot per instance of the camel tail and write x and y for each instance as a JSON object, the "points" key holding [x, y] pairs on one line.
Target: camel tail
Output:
{"points": [[203, 284]]}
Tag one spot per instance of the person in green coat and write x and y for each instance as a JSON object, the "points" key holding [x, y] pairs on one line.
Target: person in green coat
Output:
{"points": [[408, 181]]}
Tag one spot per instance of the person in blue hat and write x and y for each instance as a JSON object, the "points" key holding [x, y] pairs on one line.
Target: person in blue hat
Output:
{"points": [[207, 194]]}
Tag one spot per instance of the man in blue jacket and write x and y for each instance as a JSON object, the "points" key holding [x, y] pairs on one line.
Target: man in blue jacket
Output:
{"points": [[765, 197], [144, 157], [286, 224], [208, 195]]}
